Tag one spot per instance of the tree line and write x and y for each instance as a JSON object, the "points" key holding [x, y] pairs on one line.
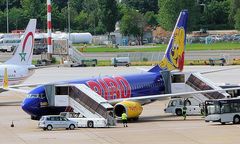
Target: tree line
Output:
{"points": [[100, 16]]}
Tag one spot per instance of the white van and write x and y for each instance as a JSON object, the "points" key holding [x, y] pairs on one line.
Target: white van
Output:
{"points": [[175, 106], [120, 61], [55, 121]]}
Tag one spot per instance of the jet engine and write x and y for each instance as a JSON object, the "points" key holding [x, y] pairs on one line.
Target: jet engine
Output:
{"points": [[131, 108]]}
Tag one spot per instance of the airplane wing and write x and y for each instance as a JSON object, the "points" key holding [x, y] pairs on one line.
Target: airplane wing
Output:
{"points": [[164, 96], [20, 88]]}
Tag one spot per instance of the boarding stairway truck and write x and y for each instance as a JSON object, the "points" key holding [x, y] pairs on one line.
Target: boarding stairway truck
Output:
{"points": [[77, 59], [198, 82], [181, 82], [95, 110]]}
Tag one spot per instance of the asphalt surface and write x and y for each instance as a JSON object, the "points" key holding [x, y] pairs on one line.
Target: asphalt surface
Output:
{"points": [[154, 126]]}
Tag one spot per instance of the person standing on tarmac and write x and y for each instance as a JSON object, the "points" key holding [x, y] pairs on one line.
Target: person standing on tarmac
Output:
{"points": [[124, 119]]}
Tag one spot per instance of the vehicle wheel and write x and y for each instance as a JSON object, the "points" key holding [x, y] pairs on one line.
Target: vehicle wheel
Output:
{"points": [[236, 119], [44, 129], [72, 127], [93, 65], [178, 112], [127, 65], [49, 127], [90, 124], [115, 65], [223, 123]]}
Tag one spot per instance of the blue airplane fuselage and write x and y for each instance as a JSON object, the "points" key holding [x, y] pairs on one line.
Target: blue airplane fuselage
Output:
{"points": [[114, 87]]}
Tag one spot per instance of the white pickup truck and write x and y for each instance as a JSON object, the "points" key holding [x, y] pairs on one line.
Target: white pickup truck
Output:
{"points": [[175, 106], [85, 122]]}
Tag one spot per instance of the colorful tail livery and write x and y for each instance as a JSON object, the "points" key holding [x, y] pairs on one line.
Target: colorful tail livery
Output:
{"points": [[174, 55], [24, 52]]}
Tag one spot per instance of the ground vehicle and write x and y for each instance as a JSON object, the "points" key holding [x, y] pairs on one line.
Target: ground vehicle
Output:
{"points": [[55, 121], [120, 61], [84, 63], [223, 110], [8, 44], [85, 122], [175, 106], [214, 61]]}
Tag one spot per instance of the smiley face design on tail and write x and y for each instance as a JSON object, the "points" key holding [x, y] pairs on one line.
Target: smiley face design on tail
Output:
{"points": [[177, 50], [174, 57]]}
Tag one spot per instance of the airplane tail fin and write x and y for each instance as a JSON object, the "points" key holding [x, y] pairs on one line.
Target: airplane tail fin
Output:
{"points": [[5, 79], [24, 51], [174, 54]]}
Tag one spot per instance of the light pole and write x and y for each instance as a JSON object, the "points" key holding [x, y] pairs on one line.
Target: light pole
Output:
{"points": [[7, 16], [69, 30]]}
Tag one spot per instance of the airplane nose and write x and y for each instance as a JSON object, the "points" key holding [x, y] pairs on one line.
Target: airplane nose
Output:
{"points": [[30, 106]]}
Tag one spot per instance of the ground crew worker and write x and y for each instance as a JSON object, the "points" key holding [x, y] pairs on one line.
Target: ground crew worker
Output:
{"points": [[124, 119]]}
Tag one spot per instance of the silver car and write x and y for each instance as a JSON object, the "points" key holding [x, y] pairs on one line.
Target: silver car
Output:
{"points": [[55, 121]]}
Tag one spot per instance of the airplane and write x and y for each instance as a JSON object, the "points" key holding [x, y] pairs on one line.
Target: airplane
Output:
{"points": [[126, 93], [19, 66], [122, 87]]}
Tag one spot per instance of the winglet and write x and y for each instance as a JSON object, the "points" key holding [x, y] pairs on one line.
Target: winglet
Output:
{"points": [[5, 79]]}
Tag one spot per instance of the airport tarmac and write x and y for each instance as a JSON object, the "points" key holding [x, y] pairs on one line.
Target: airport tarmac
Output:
{"points": [[154, 126]]}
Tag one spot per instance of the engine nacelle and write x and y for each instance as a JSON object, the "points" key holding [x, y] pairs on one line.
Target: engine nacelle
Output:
{"points": [[132, 109]]}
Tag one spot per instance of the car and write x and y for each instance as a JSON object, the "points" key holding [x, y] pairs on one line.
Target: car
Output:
{"points": [[55, 121]]}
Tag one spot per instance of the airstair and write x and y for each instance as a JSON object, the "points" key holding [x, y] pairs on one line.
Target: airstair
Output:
{"points": [[82, 100], [75, 55], [197, 82]]}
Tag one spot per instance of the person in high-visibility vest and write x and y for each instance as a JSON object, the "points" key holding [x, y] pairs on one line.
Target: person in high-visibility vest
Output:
{"points": [[124, 119]]}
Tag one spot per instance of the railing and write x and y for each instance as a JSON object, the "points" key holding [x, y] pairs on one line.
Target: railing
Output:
{"points": [[199, 84], [75, 55], [87, 102]]}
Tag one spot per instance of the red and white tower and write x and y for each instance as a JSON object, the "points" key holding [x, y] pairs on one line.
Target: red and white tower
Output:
{"points": [[49, 27]]}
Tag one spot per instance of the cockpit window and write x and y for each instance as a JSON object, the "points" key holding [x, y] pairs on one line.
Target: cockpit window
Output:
{"points": [[41, 95], [32, 96]]}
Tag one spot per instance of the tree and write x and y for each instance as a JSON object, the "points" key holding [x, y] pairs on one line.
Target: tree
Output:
{"points": [[15, 16], [234, 7], [169, 11], [151, 18], [216, 15], [132, 23], [81, 21], [142, 5], [237, 20], [108, 14], [34, 9]]}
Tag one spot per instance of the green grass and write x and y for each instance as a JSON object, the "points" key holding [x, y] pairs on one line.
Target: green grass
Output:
{"points": [[189, 47], [150, 63]]}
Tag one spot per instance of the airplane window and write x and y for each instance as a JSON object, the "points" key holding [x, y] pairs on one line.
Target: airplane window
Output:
{"points": [[33, 96], [42, 95]]}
